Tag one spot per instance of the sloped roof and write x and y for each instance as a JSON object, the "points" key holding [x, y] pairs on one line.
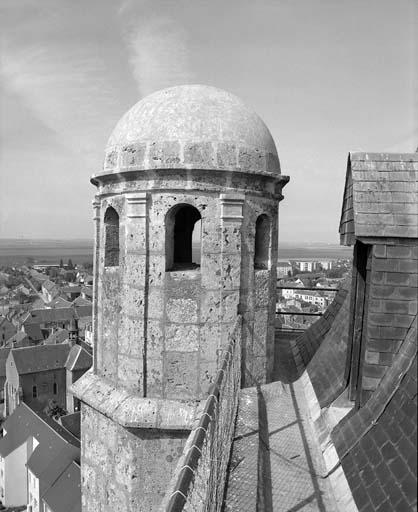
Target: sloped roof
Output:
{"points": [[71, 422], [25, 422], [34, 332], [4, 353], [78, 359], [58, 336], [65, 494], [39, 358], [41, 316], [59, 302], [80, 301], [49, 285], [17, 338], [380, 197]]}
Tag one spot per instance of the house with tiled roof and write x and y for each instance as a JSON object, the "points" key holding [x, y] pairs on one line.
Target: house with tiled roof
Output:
{"points": [[35, 451], [18, 340], [65, 493], [49, 290], [7, 330], [40, 323], [59, 302], [35, 375]]}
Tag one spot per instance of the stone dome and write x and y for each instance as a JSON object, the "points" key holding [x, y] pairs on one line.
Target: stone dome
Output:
{"points": [[191, 127]]}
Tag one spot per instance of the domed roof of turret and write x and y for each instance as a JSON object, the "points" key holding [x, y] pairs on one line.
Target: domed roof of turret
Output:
{"points": [[192, 126]]}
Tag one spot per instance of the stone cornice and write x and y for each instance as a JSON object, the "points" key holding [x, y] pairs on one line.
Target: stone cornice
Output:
{"points": [[130, 410]]}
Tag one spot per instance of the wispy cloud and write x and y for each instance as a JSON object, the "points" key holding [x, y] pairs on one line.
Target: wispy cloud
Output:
{"points": [[63, 83], [159, 53]]}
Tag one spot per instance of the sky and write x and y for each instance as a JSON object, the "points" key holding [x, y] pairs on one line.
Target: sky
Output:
{"points": [[327, 77]]}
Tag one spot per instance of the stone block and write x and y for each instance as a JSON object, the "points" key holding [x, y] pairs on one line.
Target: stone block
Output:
{"points": [[200, 154], [229, 308], [135, 239], [154, 378], [135, 266], [210, 306], [209, 343], [156, 239], [181, 337], [182, 310], [133, 155], [164, 153], [155, 302], [262, 288], [226, 155], [211, 270], [130, 372], [155, 339], [231, 238], [131, 336], [211, 235], [251, 160], [134, 301], [181, 375], [207, 373], [156, 270], [231, 271]]}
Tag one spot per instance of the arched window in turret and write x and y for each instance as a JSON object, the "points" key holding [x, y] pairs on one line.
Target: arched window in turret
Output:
{"points": [[111, 222], [262, 243], [182, 237]]}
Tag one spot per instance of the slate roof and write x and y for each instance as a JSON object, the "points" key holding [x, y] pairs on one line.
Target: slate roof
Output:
{"points": [[65, 494], [380, 197], [71, 422], [377, 444], [25, 422], [17, 339], [45, 316], [40, 358], [59, 302], [78, 359], [80, 301], [4, 353], [57, 337], [49, 285]]}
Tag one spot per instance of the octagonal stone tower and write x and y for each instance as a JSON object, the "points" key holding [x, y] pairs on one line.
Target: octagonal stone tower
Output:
{"points": [[166, 297]]}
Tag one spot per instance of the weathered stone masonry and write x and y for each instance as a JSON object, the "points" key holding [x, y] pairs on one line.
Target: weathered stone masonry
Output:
{"points": [[161, 326]]}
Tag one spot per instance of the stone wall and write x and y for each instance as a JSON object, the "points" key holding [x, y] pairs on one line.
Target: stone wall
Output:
{"points": [[157, 331], [199, 480], [115, 464]]}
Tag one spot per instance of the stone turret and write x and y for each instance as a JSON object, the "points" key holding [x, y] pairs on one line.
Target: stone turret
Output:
{"points": [[186, 216]]}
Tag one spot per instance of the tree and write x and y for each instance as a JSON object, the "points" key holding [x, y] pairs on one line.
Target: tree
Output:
{"points": [[70, 265], [54, 410], [61, 263]]}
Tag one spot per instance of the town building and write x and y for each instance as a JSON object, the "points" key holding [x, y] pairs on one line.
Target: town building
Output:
{"points": [[49, 291], [7, 330], [307, 266], [284, 269], [34, 375], [36, 453]]}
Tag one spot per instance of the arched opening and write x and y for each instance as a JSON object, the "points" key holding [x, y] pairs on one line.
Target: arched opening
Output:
{"points": [[262, 243], [182, 238], [111, 222]]}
